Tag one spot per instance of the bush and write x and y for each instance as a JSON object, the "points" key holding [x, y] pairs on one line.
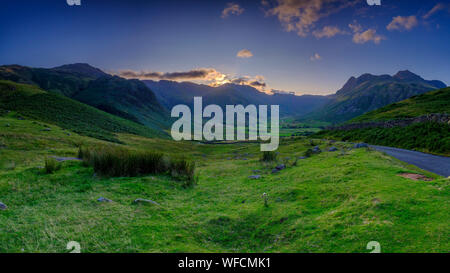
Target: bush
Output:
{"points": [[183, 169], [308, 153], [115, 161], [269, 156], [51, 165]]}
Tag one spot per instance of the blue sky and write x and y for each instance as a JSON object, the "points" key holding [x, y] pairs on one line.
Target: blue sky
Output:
{"points": [[306, 46]]}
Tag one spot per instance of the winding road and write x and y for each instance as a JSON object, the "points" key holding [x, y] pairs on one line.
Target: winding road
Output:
{"points": [[436, 164]]}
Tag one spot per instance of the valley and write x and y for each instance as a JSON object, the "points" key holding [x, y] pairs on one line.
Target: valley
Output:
{"points": [[329, 202], [320, 191]]}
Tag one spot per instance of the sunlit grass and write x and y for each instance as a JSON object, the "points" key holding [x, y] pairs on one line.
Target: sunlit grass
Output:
{"points": [[327, 203]]}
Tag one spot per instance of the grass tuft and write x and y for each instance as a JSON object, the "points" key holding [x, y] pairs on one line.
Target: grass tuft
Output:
{"points": [[269, 156], [51, 165]]}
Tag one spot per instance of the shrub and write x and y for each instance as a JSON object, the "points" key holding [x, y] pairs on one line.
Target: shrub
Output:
{"points": [[183, 169], [269, 156], [295, 162], [51, 165], [308, 153], [115, 161]]}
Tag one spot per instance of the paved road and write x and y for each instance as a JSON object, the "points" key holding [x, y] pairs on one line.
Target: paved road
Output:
{"points": [[432, 163]]}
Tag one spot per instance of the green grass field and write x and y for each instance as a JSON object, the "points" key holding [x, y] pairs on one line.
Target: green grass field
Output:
{"points": [[431, 102], [38, 104], [330, 202], [428, 137]]}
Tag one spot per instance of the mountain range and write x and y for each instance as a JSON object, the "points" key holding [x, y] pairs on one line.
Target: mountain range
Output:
{"points": [[171, 93], [369, 92], [148, 102]]}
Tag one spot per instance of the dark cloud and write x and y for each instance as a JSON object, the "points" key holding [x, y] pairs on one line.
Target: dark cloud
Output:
{"points": [[195, 74]]}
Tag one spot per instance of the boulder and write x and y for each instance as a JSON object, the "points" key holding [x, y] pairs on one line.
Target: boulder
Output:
{"points": [[103, 199], [333, 149], [360, 145], [302, 157], [141, 200], [3, 206], [255, 176], [275, 170], [280, 167], [316, 150]]}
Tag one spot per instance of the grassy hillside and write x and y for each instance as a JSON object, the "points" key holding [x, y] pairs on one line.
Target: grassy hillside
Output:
{"points": [[331, 202], [432, 102], [428, 137], [128, 99], [56, 81], [34, 103]]}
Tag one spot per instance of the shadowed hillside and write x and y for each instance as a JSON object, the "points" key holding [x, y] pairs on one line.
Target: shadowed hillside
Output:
{"points": [[369, 92], [129, 99], [35, 103]]}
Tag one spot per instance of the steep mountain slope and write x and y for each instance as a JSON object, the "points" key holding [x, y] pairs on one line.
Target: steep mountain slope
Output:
{"points": [[171, 93], [35, 103], [129, 99], [421, 123], [369, 92]]}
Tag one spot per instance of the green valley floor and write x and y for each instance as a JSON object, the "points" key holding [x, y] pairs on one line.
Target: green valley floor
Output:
{"points": [[329, 202]]}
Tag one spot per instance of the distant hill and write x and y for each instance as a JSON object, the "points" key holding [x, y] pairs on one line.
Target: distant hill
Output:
{"points": [[32, 102], [81, 69], [369, 92], [129, 99], [421, 123], [171, 93]]}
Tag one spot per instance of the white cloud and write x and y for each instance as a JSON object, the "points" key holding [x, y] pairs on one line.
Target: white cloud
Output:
{"points": [[435, 9], [403, 23], [362, 37], [367, 36], [327, 31], [315, 57], [355, 27], [232, 8], [244, 53], [301, 15]]}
